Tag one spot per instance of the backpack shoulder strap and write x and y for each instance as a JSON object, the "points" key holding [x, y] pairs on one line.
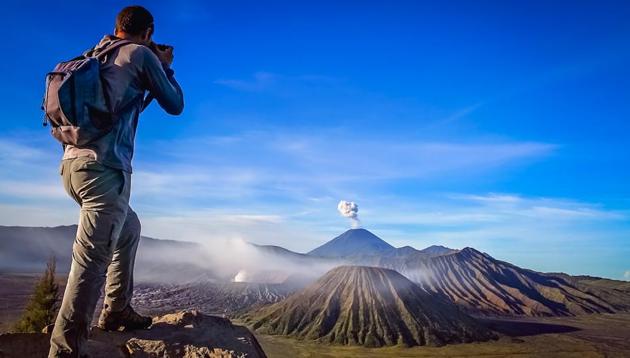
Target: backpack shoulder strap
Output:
{"points": [[112, 47]]}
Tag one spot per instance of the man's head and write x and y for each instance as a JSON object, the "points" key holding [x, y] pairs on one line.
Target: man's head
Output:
{"points": [[135, 23]]}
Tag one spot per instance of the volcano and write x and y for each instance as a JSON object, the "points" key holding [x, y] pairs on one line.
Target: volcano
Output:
{"points": [[483, 285], [369, 306], [353, 242]]}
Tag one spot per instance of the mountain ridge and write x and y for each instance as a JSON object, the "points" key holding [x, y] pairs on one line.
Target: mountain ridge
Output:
{"points": [[484, 285]]}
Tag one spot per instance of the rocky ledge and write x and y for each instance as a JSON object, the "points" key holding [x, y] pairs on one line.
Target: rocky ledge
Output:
{"points": [[183, 334]]}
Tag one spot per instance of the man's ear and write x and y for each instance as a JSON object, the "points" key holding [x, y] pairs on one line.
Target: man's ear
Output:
{"points": [[148, 34]]}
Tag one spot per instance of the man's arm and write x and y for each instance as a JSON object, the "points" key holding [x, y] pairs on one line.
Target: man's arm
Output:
{"points": [[162, 84]]}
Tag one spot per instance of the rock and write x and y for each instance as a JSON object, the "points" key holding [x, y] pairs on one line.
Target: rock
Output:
{"points": [[188, 334]]}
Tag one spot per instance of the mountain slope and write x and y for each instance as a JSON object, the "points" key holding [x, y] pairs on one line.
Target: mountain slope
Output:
{"points": [[484, 285], [616, 293], [368, 306], [26, 249], [353, 242]]}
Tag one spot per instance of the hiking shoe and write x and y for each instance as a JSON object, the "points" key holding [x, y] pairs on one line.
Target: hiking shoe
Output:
{"points": [[127, 319]]}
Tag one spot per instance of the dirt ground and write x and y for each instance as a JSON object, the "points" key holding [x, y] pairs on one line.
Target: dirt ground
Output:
{"points": [[606, 335]]}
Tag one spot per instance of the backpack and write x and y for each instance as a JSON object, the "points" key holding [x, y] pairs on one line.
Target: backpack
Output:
{"points": [[75, 103]]}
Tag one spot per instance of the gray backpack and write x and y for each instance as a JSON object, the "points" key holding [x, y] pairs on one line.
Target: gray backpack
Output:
{"points": [[75, 104]]}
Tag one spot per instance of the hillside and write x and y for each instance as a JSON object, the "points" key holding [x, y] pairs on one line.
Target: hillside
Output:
{"points": [[369, 306], [26, 249]]}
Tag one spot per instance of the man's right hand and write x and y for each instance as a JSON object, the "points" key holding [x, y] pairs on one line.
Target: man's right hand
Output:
{"points": [[165, 56]]}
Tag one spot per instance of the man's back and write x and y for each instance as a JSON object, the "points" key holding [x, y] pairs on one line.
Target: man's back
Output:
{"points": [[98, 178], [127, 73]]}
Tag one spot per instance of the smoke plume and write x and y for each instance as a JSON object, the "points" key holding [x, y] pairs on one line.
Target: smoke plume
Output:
{"points": [[350, 209]]}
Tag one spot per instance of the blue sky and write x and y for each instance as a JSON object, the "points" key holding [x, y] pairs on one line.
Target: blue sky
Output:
{"points": [[500, 125]]}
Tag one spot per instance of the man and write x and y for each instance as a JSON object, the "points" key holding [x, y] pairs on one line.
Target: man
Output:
{"points": [[98, 177]]}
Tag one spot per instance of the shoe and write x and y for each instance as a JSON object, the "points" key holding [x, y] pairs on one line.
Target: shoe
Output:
{"points": [[125, 320]]}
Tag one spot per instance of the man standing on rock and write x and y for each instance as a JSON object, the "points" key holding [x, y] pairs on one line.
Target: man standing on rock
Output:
{"points": [[98, 177]]}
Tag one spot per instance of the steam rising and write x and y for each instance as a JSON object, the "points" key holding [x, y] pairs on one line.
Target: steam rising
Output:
{"points": [[350, 209], [224, 260], [241, 276]]}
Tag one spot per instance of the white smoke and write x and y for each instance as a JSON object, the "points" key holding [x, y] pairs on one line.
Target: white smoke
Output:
{"points": [[350, 209], [223, 260], [241, 276]]}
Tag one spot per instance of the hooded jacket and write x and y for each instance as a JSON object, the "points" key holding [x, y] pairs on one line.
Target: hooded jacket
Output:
{"points": [[127, 73]]}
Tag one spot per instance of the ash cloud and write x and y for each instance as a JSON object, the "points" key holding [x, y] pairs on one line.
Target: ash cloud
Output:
{"points": [[350, 209]]}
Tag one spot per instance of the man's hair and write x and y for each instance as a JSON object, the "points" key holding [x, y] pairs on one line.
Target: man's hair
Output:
{"points": [[134, 20]]}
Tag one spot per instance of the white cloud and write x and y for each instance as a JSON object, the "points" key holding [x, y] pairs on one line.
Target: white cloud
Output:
{"points": [[626, 275], [540, 207], [30, 169], [17, 151], [207, 226], [353, 159], [46, 214], [264, 81], [337, 157], [462, 213], [184, 181], [33, 190], [492, 197], [259, 82], [573, 213], [435, 217]]}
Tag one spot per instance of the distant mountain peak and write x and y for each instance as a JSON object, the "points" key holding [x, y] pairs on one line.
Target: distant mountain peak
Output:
{"points": [[437, 250], [353, 242]]}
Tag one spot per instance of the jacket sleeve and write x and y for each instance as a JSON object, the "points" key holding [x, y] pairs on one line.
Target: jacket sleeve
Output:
{"points": [[161, 84]]}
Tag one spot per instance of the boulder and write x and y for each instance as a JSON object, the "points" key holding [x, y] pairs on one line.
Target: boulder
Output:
{"points": [[183, 334]]}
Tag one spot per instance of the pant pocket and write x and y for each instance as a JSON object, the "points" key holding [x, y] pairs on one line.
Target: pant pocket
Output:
{"points": [[65, 171], [89, 165]]}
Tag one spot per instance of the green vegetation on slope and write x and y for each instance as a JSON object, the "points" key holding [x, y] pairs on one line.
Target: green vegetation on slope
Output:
{"points": [[42, 307]]}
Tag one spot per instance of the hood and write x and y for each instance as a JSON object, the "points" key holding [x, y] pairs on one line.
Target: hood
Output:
{"points": [[103, 44]]}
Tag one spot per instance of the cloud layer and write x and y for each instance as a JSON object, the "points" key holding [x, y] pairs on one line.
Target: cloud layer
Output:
{"points": [[282, 188]]}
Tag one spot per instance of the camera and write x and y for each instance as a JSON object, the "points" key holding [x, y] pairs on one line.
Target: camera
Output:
{"points": [[161, 47]]}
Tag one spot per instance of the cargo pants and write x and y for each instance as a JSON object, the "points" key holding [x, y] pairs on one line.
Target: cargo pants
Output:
{"points": [[104, 251]]}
